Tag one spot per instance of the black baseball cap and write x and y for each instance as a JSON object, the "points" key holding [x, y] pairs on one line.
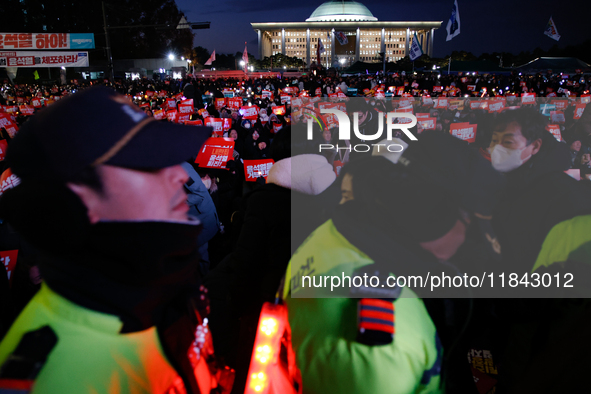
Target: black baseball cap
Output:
{"points": [[93, 127]]}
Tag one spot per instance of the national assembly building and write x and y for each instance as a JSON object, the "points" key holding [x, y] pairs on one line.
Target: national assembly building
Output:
{"points": [[348, 32]]}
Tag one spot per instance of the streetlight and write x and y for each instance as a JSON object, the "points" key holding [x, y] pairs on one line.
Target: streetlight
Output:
{"points": [[342, 61], [242, 64], [170, 56], [182, 58]]}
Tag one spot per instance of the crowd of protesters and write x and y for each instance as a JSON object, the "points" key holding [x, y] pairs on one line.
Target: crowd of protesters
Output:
{"points": [[250, 234]]}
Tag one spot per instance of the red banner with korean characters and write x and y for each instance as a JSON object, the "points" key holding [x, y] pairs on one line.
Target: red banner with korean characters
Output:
{"points": [[437, 88], [528, 98], [405, 120], [215, 153], [178, 96], [285, 99], [26, 110], [183, 118], [427, 100], [554, 129], [579, 108], [267, 94], [440, 103], [318, 92], [497, 105], [254, 169], [428, 123], [216, 124], [475, 104], [290, 90], [560, 104], [37, 102], [279, 110], [8, 260], [150, 93], [220, 103], [185, 109], [234, 103], [170, 103], [585, 98], [172, 116], [8, 180], [159, 114], [197, 122], [249, 112], [3, 146], [46, 41], [43, 59], [464, 131]]}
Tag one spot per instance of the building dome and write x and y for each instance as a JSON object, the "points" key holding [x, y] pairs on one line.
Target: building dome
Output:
{"points": [[341, 10]]}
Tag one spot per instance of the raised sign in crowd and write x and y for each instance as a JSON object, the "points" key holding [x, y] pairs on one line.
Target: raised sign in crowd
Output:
{"points": [[259, 164]]}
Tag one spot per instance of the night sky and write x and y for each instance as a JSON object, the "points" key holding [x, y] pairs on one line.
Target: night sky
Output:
{"points": [[486, 25]]}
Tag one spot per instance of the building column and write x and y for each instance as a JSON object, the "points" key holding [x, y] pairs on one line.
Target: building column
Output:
{"points": [[431, 42], [308, 47], [357, 45], [259, 34], [406, 46], [333, 53], [283, 41]]}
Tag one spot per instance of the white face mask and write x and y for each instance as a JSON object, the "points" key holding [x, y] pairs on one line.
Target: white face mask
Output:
{"points": [[207, 183], [247, 125], [505, 160]]}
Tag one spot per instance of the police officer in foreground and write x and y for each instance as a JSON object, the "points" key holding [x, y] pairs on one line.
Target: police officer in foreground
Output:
{"points": [[121, 308], [405, 216]]}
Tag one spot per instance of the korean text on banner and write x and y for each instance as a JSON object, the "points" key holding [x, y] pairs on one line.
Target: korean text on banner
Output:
{"points": [[254, 169], [43, 59], [279, 110], [216, 124], [8, 260], [3, 146], [249, 112], [46, 41], [215, 153], [464, 131], [8, 180]]}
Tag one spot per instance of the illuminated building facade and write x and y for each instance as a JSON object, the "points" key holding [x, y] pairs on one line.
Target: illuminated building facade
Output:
{"points": [[366, 37]]}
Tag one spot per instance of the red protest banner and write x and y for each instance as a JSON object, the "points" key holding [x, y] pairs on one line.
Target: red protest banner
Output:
{"points": [[149, 93], [27, 110], [249, 112], [554, 129], [267, 94], [178, 96], [197, 122], [285, 99], [318, 92], [528, 98], [471, 88], [170, 103], [560, 104], [254, 169], [37, 103], [585, 98], [183, 118], [185, 109], [279, 110], [172, 115], [428, 123], [557, 117], [463, 131], [8, 260], [341, 95], [219, 103], [437, 88], [497, 105], [158, 114], [3, 146], [427, 100], [8, 180], [215, 152], [234, 103], [579, 108], [216, 124], [440, 103]]}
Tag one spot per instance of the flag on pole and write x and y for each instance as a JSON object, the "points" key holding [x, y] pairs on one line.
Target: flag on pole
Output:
{"points": [[341, 37], [211, 59], [245, 57], [453, 24], [551, 30], [319, 49], [416, 50]]}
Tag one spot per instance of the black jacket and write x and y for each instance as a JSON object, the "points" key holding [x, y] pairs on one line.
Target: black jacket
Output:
{"points": [[538, 196]]}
